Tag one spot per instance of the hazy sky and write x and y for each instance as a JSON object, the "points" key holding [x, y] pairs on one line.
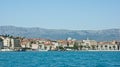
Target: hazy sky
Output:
{"points": [[61, 14]]}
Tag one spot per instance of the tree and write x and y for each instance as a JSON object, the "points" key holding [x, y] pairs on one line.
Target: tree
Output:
{"points": [[50, 47], [75, 46], [105, 46], [61, 48], [45, 47], [81, 46], [93, 47], [110, 47], [97, 47], [114, 47]]}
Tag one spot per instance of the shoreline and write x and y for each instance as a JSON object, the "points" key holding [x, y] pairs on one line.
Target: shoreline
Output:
{"points": [[69, 51]]}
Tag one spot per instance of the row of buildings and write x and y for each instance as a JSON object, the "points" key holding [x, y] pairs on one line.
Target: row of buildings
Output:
{"points": [[8, 43]]}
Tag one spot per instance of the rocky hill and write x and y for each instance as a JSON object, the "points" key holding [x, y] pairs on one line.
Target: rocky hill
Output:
{"points": [[99, 35]]}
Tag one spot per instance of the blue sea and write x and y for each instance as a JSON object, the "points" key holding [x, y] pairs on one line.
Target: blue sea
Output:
{"points": [[60, 59]]}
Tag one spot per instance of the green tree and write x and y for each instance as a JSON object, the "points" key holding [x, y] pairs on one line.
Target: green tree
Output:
{"points": [[76, 47], [93, 47], [81, 46], [114, 47]]}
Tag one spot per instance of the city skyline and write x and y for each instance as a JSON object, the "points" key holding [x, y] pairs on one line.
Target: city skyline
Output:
{"points": [[68, 14]]}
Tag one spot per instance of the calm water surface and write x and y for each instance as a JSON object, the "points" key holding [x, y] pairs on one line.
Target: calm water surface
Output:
{"points": [[60, 59]]}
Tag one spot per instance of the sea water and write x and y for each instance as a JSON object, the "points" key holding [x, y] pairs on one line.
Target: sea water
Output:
{"points": [[60, 59]]}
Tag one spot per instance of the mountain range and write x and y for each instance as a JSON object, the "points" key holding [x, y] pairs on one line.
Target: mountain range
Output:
{"points": [[54, 34]]}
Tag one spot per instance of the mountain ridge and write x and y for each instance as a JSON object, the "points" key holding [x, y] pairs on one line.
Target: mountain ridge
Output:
{"points": [[55, 34]]}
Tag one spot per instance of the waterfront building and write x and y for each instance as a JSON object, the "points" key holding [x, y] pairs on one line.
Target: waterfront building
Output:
{"points": [[9, 43], [55, 45], [15, 43], [48, 45], [34, 46], [26, 43], [41, 46], [62, 43], [107, 46], [87, 44], [70, 42], [6, 42]]}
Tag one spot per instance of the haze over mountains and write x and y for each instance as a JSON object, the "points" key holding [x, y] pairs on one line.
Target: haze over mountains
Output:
{"points": [[54, 34]]}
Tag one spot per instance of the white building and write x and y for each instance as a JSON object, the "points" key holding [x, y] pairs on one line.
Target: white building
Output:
{"points": [[10, 42], [34, 46], [88, 44], [107, 46], [6, 42], [15, 43]]}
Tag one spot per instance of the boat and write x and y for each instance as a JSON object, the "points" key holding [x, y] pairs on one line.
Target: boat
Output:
{"points": [[42, 50], [6, 50]]}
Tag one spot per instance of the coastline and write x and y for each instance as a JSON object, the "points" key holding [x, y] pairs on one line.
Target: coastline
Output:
{"points": [[69, 51]]}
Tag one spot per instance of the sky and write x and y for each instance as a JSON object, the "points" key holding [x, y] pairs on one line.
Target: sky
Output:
{"points": [[61, 14]]}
